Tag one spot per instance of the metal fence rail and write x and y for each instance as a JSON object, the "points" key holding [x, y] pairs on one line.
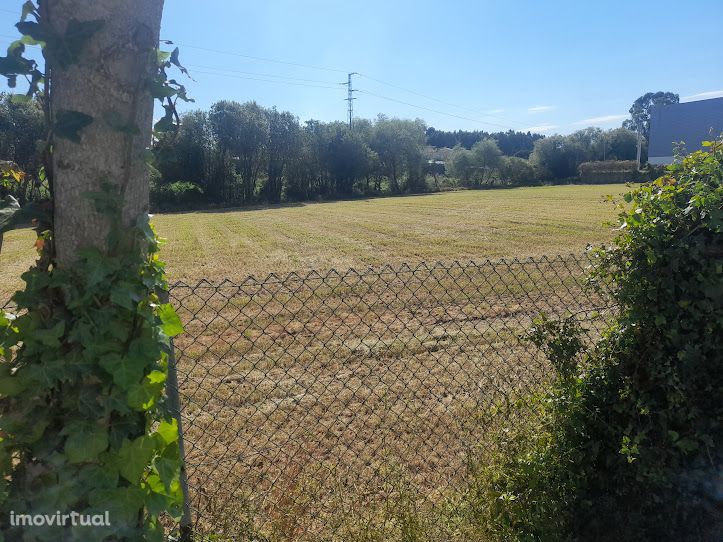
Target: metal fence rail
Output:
{"points": [[311, 401]]}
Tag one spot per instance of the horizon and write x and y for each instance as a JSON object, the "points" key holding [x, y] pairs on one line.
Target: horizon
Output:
{"points": [[412, 62]]}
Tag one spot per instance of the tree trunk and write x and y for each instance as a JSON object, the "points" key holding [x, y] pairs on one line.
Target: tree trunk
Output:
{"points": [[109, 81]]}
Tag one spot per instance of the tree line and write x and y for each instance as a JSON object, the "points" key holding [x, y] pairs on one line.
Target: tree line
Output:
{"points": [[242, 153], [511, 143]]}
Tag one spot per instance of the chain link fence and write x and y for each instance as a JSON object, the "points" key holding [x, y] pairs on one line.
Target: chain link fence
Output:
{"points": [[353, 405], [350, 405]]}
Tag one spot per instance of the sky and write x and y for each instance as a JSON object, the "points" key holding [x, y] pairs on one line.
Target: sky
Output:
{"points": [[548, 67]]}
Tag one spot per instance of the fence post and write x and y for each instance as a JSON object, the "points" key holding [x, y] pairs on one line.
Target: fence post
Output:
{"points": [[174, 402]]}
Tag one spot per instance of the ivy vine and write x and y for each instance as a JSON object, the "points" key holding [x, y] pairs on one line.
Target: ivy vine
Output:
{"points": [[84, 422]]}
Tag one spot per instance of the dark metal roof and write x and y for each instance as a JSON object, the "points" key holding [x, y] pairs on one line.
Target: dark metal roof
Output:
{"points": [[691, 122]]}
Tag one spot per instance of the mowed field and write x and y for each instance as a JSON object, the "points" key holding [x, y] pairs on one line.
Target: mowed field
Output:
{"points": [[456, 225], [304, 399]]}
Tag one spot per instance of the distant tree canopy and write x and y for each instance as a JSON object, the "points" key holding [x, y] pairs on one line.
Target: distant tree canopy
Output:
{"points": [[640, 110], [242, 153], [510, 143], [558, 157]]}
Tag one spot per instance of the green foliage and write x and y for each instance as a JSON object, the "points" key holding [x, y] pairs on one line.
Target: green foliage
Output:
{"points": [[640, 110], [167, 91], [626, 444], [486, 159], [68, 124], [174, 195], [511, 143], [85, 425], [558, 157], [610, 171], [517, 171]]}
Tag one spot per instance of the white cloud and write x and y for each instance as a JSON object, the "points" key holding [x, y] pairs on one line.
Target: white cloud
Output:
{"points": [[541, 128], [702, 96], [600, 120], [540, 108], [494, 111]]}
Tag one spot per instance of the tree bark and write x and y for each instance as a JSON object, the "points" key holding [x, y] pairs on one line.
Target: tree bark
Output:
{"points": [[109, 81]]}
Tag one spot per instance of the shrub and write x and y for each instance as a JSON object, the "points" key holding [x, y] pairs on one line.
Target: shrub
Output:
{"points": [[627, 445], [517, 171], [610, 171], [174, 195]]}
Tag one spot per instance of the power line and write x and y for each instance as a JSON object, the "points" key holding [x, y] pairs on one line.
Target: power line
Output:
{"points": [[310, 83], [433, 110], [513, 124], [265, 80], [262, 59], [476, 111], [260, 74], [350, 90]]}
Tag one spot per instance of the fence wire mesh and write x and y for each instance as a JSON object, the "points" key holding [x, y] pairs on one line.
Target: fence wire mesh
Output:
{"points": [[351, 405], [310, 402]]}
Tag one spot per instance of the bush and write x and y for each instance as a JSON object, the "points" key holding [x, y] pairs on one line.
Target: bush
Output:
{"points": [[628, 441], [517, 171], [180, 194], [610, 171]]}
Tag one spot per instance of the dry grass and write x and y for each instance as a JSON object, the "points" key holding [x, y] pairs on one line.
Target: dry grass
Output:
{"points": [[457, 225], [347, 408], [301, 394]]}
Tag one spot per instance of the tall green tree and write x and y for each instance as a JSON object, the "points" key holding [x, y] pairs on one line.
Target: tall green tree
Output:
{"points": [[398, 144], [486, 157], [640, 110], [189, 154], [461, 164], [282, 146], [242, 132], [554, 157], [620, 144]]}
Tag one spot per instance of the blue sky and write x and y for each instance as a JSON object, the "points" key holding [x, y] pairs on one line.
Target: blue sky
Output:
{"points": [[552, 67]]}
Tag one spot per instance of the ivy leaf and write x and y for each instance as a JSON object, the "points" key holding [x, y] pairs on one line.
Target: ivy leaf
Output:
{"points": [[134, 457], [116, 121], [143, 396], [28, 8], [69, 123], [156, 377], [125, 371], [124, 504], [170, 322], [174, 60], [50, 337], [67, 48], [80, 32], [85, 443], [14, 63], [160, 90], [35, 30], [9, 385], [125, 296], [168, 464], [168, 431]]}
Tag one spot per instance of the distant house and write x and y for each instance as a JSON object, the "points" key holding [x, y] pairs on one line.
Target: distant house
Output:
{"points": [[690, 122]]}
